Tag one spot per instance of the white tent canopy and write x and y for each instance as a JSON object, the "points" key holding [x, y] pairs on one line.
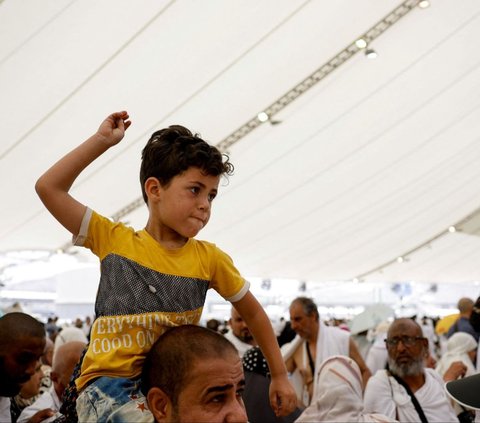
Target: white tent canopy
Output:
{"points": [[360, 172]]}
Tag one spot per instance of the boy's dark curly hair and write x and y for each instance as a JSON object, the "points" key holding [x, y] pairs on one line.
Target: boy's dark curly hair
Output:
{"points": [[171, 151]]}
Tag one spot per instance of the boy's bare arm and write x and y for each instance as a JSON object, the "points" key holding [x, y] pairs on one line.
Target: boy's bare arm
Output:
{"points": [[54, 185], [282, 395]]}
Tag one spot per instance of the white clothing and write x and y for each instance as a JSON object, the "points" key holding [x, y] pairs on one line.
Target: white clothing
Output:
{"points": [[48, 399], [385, 395], [5, 416], [241, 346], [477, 366], [330, 341], [71, 333], [458, 345], [428, 331], [377, 356], [339, 394], [363, 343]]}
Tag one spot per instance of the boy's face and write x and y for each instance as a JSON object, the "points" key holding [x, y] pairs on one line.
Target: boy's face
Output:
{"points": [[184, 205]]}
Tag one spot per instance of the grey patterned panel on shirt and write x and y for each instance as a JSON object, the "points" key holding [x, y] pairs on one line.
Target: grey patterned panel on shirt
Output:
{"points": [[127, 287]]}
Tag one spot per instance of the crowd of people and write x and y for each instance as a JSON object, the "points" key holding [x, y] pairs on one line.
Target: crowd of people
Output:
{"points": [[146, 357], [215, 373]]}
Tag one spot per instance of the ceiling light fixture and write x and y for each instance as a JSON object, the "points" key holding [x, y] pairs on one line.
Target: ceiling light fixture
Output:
{"points": [[423, 4], [361, 43], [458, 227], [262, 117], [371, 53]]}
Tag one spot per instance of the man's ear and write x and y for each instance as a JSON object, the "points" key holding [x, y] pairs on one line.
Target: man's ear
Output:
{"points": [[425, 345], [159, 404]]}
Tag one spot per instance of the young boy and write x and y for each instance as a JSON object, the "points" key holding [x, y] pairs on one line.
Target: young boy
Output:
{"points": [[157, 277]]}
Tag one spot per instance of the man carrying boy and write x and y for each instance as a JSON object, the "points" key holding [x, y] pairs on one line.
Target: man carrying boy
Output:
{"points": [[193, 374], [157, 277]]}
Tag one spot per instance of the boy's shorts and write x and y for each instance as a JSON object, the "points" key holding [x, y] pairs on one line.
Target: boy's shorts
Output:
{"points": [[112, 400]]}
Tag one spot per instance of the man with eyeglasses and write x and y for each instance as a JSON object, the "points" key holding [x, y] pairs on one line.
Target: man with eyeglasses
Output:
{"points": [[408, 389]]}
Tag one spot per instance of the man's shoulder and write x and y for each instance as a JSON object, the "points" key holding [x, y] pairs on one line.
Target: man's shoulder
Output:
{"points": [[381, 375], [338, 333], [337, 330], [292, 348], [378, 388], [378, 381], [433, 376]]}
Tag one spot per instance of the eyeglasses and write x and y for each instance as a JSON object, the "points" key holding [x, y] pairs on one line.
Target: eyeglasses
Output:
{"points": [[407, 341]]}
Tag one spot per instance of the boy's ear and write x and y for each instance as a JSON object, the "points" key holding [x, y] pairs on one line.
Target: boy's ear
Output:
{"points": [[152, 187], [159, 404]]}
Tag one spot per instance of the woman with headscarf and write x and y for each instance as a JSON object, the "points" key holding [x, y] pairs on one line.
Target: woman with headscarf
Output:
{"points": [[461, 346]]}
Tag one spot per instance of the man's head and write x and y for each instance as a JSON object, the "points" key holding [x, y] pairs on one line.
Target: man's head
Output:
{"points": [[407, 348], [240, 328], [194, 374], [171, 151], [22, 343], [304, 317], [64, 360], [465, 306]]}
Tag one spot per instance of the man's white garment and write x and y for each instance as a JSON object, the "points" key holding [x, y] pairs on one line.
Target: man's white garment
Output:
{"points": [[377, 356], [385, 395], [339, 395], [330, 341], [241, 346], [458, 347], [5, 416], [48, 399]]}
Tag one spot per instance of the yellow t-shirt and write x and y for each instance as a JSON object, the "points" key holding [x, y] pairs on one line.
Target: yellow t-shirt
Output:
{"points": [[144, 289]]}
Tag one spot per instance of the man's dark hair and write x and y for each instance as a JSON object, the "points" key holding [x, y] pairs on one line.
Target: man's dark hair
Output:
{"points": [[15, 325], [171, 151], [172, 357], [308, 305]]}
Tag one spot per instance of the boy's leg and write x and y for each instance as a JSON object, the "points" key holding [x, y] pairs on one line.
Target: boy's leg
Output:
{"points": [[112, 400]]}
